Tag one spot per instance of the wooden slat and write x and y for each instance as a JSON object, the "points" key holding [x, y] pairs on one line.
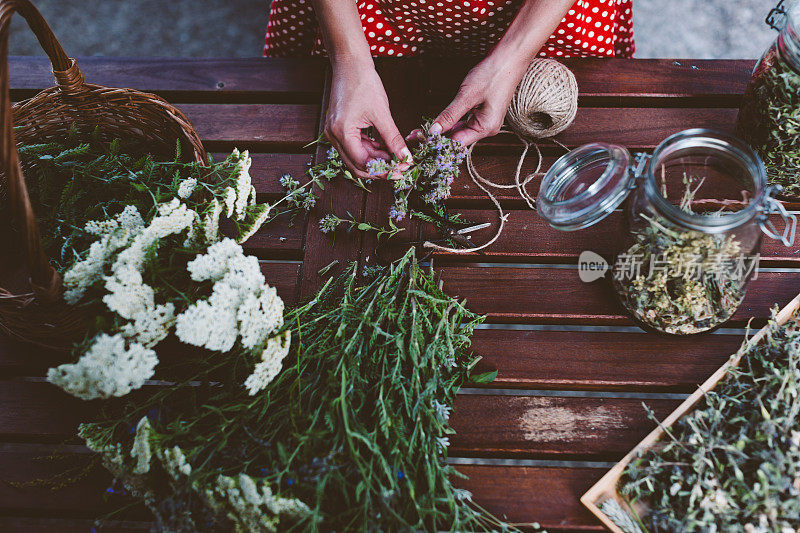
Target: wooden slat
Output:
{"points": [[83, 483], [284, 277], [557, 295], [546, 495], [180, 78], [249, 126], [600, 360], [486, 425], [638, 128], [282, 236], [324, 251], [501, 167], [42, 410], [16, 524], [527, 236], [666, 78], [567, 427], [525, 359]]}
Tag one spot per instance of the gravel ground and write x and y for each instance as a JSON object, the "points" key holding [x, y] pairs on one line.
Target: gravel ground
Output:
{"points": [[235, 28]]}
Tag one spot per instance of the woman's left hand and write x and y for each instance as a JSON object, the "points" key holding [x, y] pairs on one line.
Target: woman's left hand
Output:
{"points": [[483, 97]]}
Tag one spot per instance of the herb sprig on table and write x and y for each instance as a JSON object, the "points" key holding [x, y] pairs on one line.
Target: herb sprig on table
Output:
{"points": [[734, 463], [419, 186]]}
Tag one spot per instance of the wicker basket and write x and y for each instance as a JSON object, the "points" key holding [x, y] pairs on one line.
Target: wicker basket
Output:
{"points": [[31, 304]]}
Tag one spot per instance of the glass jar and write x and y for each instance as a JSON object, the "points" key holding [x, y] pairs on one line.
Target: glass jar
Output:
{"points": [[696, 212], [769, 118]]}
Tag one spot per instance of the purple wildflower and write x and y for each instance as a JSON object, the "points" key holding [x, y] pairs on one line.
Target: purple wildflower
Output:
{"points": [[397, 213], [376, 167]]}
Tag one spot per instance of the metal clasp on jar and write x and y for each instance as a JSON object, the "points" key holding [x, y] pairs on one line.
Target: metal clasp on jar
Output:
{"points": [[637, 171], [776, 18], [771, 205]]}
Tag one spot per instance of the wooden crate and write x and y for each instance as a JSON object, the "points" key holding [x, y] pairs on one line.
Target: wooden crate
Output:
{"points": [[607, 487]]}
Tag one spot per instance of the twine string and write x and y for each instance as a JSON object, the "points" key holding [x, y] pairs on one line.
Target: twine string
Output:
{"points": [[544, 104]]}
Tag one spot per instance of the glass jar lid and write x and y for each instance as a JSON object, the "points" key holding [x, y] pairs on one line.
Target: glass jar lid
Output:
{"points": [[585, 186]]}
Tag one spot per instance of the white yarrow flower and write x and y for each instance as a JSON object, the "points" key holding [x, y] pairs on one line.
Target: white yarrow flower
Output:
{"points": [[150, 326], [141, 447], [240, 304], [211, 222], [175, 462], [230, 201], [271, 360], [212, 265], [107, 369], [244, 183], [114, 234], [186, 188], [259, 316]]}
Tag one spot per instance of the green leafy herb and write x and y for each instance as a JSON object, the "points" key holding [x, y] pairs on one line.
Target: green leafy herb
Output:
{"points": [[329, 223]]}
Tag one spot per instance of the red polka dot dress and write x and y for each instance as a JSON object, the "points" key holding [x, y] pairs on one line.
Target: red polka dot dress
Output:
{"points": [[591, 28]]}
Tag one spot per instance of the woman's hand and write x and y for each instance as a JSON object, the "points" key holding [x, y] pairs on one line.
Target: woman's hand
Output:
{"points": [[487, 90], [483, 97], [358, 101]]}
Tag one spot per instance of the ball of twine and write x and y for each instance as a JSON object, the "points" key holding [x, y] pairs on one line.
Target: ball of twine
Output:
{"points": [[546, 100]]}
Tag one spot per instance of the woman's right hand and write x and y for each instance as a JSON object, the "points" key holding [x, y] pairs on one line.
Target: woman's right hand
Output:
{"points": [[358, 101]]}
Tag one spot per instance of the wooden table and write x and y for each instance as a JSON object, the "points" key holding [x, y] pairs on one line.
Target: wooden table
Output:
{"points": [[573, 371]]}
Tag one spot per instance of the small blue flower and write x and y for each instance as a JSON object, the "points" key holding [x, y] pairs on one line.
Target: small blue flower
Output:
{"points": [[400, 474], [376, 167], [332, 153], [290, 481], [397, 214], [110, 490]]}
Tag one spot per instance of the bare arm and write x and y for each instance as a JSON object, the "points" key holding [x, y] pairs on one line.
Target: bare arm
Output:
{"points": [[488, 88], [358, 99]]}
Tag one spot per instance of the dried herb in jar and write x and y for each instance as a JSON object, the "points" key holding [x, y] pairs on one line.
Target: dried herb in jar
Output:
{"points": [[769, 120], [681, 281]]}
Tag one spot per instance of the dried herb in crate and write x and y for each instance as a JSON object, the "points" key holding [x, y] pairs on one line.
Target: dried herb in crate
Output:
{"points": [[734, 463]]}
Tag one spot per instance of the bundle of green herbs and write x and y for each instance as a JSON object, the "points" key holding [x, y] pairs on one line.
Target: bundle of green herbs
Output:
{"points": [[733, 464], [351, 435], [140, 249], [769, 120], [681, 281]]}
